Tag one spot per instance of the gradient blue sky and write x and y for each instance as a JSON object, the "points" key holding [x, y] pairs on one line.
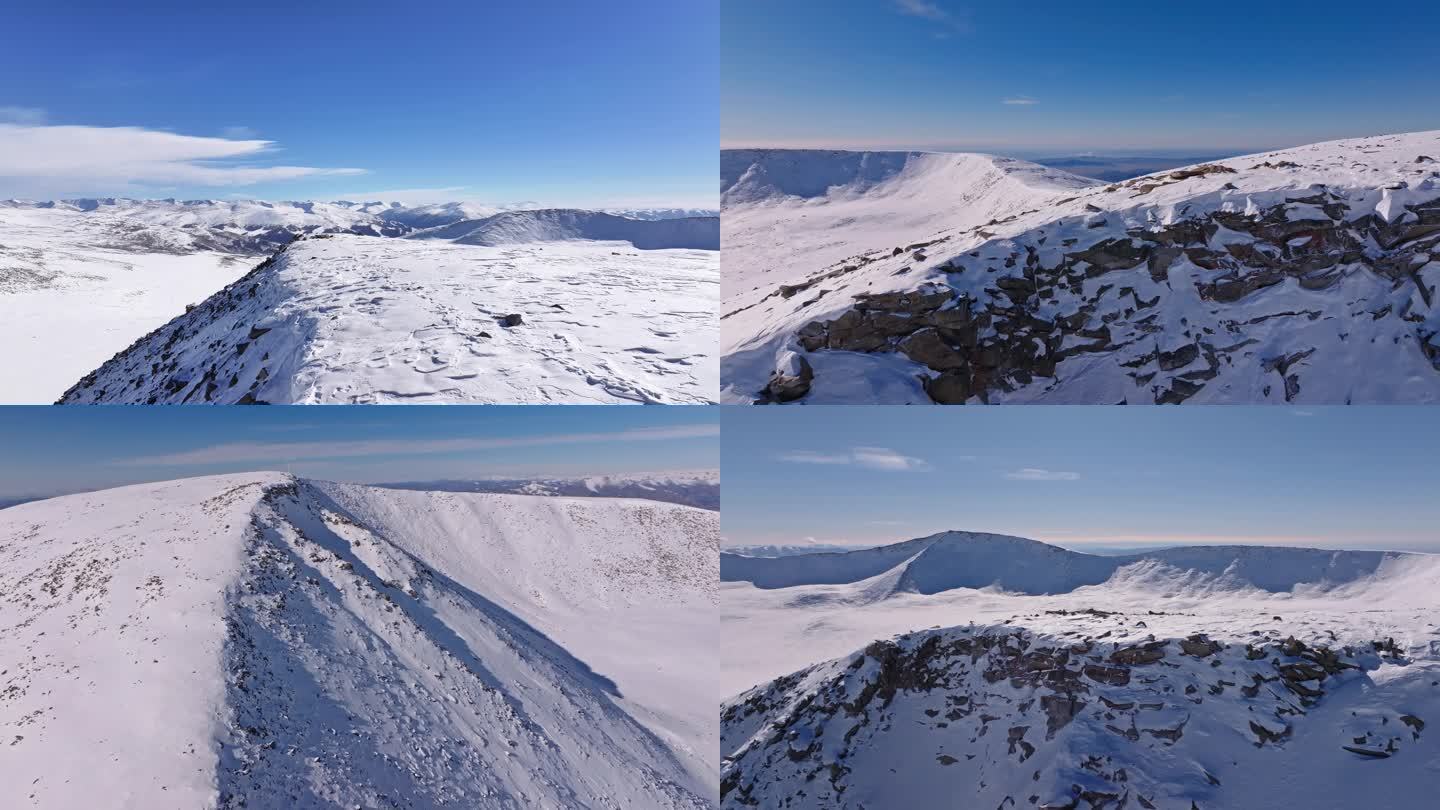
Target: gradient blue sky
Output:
{"points": [[48, 450], [1119, 76], [1345, 477], [564, 102]]}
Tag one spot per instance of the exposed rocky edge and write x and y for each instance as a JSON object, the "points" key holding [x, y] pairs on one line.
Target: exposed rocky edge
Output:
{"points": [[1306, 275], [1016, 309], [1009, 719], [152, 366], [548, 225]]}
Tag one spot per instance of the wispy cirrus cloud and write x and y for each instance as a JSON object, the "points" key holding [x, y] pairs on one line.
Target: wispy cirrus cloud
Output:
{"points": [[1036, 474], [70, 158], [875, 458], [1020, 101], [934, 12], [271, 452]]}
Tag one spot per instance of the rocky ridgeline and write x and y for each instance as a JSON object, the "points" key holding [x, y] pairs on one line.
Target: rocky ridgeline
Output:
{"points": [[135, 375], [1012, 309], [1015, 719]]}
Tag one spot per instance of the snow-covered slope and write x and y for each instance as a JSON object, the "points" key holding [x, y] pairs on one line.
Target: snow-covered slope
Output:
{"points": [[261, 641], [700, 488], [1028, 676], [558, 224], [348, 319], [82, 279], [1305, 275]]}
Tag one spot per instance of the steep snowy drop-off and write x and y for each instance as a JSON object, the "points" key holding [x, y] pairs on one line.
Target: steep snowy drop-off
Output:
{"points": [[261, 641], [559, 224], [349, 319], [1305, 275], [700, 488], [1022, 675]]}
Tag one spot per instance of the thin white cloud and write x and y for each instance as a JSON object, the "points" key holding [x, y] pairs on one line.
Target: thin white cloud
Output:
{"points": [[270, 452], [875, 458], [920, 8], [1021, 101], [239, 133], [28, 116], [1034, 474], [934, 13], [115, 158]]}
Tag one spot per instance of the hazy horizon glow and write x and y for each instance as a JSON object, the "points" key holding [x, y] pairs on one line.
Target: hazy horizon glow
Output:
{"points": [[52, 451], [1099, 477]]}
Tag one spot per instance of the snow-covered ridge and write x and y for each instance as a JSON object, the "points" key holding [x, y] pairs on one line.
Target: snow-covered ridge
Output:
{"points": [[348, 319], [1072, 718], [1227, 677], [1303, 275], [951, 560], [553, 225], [261, 641]]}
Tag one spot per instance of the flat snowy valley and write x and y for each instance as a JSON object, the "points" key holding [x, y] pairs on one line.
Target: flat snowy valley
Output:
{"points": [[1025, 675]]}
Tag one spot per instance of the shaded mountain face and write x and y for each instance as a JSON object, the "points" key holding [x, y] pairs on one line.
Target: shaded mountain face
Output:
{"points": [[554, 225], [262, 641], [1305, 275], [698, 489], [952, 560], [351, 320]]}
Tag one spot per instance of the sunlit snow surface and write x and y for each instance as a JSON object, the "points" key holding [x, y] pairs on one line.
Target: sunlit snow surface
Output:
{"points": [[258, 641], [350, 319], [844, 224], [936, 740]]}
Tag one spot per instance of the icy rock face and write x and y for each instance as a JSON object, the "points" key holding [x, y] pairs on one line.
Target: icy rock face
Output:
{"points": [[1011, 718], [1306, 275], [347, 319], [264, 641]]}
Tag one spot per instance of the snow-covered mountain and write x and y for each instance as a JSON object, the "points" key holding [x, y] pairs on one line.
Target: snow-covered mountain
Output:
{"points": [[559, 224], [1023, 675], [1305, 275], [82, 279], [349, 319], [700, 488], [261, 641]]}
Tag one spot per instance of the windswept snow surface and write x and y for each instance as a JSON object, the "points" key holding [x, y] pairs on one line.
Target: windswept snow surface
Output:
{"points": [[261, 641], [1020, 675], [1304, 275], [348, 319]]}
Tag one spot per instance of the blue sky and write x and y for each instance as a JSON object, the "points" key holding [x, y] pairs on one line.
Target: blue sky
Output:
{"points": [[1345, 477], [562, 102], [48, 450], [1058, 76]]}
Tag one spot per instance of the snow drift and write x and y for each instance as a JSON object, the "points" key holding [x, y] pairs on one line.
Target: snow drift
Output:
{"points": [[262, 641], [1304, 275]]}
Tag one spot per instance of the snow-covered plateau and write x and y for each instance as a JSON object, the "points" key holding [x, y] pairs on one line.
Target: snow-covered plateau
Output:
{"points": [[987, 671], [1305, 275], [83, 279], [263, 641]]}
